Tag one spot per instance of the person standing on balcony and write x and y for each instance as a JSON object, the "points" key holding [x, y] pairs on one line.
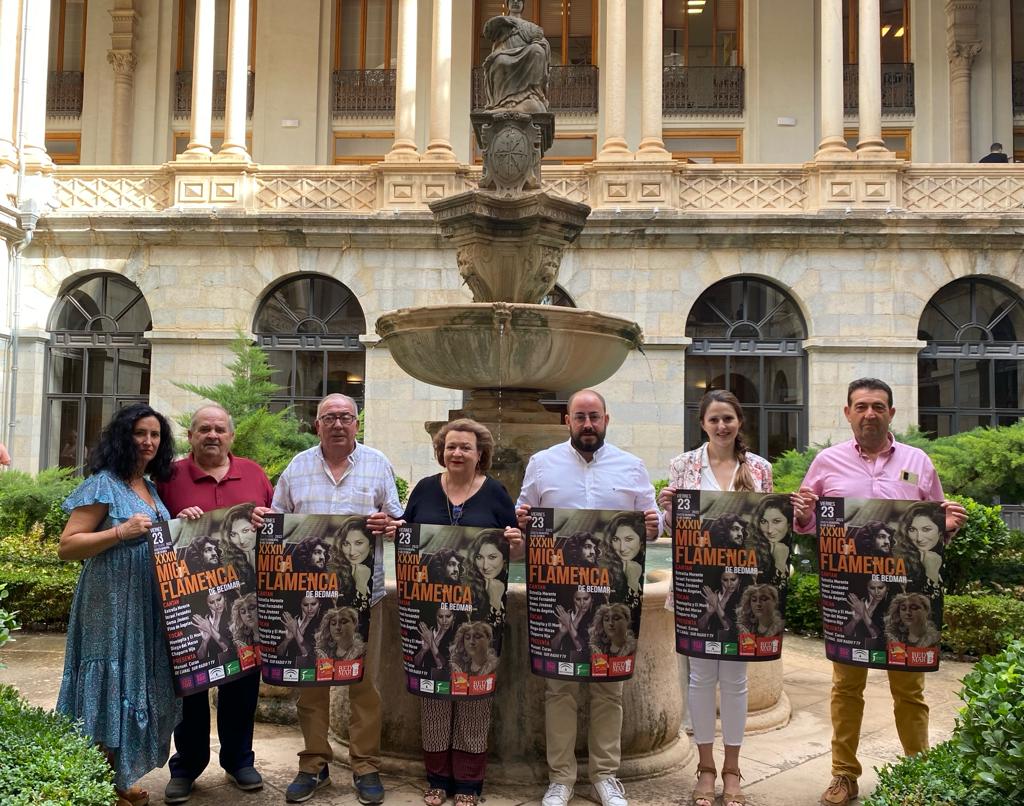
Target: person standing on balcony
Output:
{"points": [[995, 154], [341, 477], [211, 478], [586, 473], [871, 465]]}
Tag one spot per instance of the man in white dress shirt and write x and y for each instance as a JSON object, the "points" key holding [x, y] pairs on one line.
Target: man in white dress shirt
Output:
{"points": [[586, 473]]}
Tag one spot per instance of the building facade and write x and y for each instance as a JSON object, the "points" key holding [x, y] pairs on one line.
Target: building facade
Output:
{"points": [[785, 196]]}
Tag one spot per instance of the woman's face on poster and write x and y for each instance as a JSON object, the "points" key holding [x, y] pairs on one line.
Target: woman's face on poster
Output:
{"points": [[582, 600], [489, 561], [615, 625], [477, 643], [761, 605], [343, 629], [877, 589], [773, 524], [445, 619], [356, 546], [453, 568], [310, 606], [242, 534], [248, 614], [626, 542], [923, 533], [912, 612], [730, 582], [215, 603]]}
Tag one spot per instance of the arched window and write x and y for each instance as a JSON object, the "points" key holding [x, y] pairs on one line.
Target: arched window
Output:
{"points": [[310, 328], [748, 338], [97, 362], [970, 373]]}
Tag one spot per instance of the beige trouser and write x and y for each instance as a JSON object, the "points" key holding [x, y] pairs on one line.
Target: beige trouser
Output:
{"points": [[604, 737], [314, 710]]}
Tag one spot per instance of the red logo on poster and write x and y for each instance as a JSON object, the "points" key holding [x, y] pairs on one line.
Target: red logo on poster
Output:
{"points": [[324, 669], [768, 645], [598, 665], [922, 656], [621, 666], [483, 684], [247, 657], [897, 654], [460, 683], [748, 644], [347, 669]]}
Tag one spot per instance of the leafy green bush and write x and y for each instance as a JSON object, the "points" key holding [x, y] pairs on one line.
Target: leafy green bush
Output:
{"points": [[39, 584], [937, 778], [791, 467], [981, 625], [984, 463], [8, 622], [977, 547], [269, 438], [26, 500], [45, 761], [990, 729], [803, 604]]}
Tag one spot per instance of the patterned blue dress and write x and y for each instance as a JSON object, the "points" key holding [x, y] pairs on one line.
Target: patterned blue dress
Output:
{"points": [[117, 672]]}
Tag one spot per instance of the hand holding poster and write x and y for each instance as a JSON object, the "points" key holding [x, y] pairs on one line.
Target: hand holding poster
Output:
{"points": [[585, 571], [881, 581], [206, 576], [315, 580], [730, 565], [452, 583]]}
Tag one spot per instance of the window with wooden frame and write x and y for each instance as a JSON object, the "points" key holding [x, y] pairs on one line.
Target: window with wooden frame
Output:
{"points": [[67, 35], [895, 31], [705, 146], [570, 27], [896, 140], [361, 148], [365, 34], [64, 148], [702, 33]]}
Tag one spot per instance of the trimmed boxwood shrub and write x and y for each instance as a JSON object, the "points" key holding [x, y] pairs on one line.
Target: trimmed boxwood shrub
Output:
{"points": [[981, 625], [45, 761], [27, 500], [39, 584], [939, 777]]}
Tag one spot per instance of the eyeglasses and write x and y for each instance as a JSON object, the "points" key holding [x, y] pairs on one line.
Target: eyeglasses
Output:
{"points": [[594, 417], [331, 419]]}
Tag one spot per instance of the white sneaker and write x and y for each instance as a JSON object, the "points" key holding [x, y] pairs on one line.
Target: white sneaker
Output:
{"points": [[611, 792], [557, 795]]}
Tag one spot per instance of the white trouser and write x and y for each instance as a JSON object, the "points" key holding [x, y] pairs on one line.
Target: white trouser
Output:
{"points": [[731, 676]]}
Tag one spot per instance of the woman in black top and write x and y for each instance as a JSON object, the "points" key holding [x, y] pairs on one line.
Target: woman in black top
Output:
{"points": [[455, 732]]}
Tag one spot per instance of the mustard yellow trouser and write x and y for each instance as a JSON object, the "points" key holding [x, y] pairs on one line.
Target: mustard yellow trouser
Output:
{"points": [[908, 705], [314, 712]]}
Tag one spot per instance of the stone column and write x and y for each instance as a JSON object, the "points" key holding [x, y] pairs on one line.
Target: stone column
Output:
{"points": [[440, 146], [404, 148], [37, 67], [652, 147], [237, 97], [963, 45], [123, 60], [8, 81], [833, 144], [869, 84], [202, 83], [613, 73]]}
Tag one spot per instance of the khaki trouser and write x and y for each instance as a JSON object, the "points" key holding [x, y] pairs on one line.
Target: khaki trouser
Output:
{"points": [[314, 711], [908, 705], [604, 738]]}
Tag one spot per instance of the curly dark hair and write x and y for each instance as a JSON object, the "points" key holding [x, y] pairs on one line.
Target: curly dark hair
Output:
{"points": [[303, 551], [574, 548], [721, 530], [610, 558], [473, 577], [193, 553], [437, 566], [866, 534], [116, 451]]}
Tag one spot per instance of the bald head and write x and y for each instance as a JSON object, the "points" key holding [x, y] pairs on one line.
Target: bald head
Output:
{"points": [[210, 435], [588, 421], [330, 400], [213, 407]]}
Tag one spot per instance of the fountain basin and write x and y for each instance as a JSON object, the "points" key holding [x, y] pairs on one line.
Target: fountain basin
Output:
{"points": [[499, 345]]}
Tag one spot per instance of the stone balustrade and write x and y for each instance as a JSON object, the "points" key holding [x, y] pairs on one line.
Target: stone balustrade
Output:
{"points": [[889, 186]]}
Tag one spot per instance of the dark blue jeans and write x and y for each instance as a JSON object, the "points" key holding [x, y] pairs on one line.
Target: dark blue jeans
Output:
{"points": [[236, 708]]}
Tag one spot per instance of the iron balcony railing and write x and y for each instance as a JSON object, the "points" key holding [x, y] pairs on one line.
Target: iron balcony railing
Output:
{"points": [[571, 88], [897, 89], [183, 93], [365, 92], [702, 91], [64, 94]]}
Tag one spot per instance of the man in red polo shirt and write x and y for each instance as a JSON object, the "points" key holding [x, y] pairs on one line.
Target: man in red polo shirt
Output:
{"points": [[210, 478]]}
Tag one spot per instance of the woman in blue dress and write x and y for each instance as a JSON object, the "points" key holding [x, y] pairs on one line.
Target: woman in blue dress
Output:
{"points": [[117, 673]]}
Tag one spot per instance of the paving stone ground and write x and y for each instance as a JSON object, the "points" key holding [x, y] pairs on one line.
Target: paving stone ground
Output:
{"points": [[785, 767]]}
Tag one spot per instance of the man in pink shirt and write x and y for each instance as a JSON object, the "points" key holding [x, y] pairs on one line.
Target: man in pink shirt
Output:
{"points": [[871, 465]]}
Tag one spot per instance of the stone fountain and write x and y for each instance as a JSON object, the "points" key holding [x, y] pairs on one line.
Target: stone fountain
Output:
{"points": [[508, 351]]}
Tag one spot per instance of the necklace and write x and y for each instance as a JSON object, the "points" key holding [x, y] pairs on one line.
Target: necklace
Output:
{"points": [[454, 510]]}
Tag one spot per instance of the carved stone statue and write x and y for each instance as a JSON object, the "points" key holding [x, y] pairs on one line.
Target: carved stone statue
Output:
{"points": [[515, 128], [518, 65]]}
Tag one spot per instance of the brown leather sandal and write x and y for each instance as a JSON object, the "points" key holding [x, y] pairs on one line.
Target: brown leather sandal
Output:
{"points": [[733, 798], [435, 797], [135, 796], [703, 794]]}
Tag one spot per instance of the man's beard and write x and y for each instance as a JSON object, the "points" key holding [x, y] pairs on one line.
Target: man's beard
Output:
{"points": [[577, 442]]}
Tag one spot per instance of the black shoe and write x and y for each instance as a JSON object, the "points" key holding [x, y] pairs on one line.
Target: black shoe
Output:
{"points": [[305, 784], [369, 788], [246, 779], [178, 790]]}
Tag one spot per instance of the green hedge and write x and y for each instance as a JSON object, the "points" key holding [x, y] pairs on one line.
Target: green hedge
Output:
{"points": [[981, 625], [27, 501], [40, 586], [803, 605], [939, 777], [45, 761]]}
